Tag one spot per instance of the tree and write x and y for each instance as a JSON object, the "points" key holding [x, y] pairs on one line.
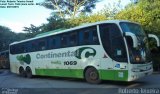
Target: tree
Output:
{"points": [[54, 22], [3, 37], [31, 29], [110, 10], [84, 19], [146, 12], [7, 37], [70, 8]]}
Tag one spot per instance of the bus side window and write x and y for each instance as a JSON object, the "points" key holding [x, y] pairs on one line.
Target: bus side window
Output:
{"points": [[95, 37], [58, 41], [22, 49], [34, 46], [53, 43], [86, 37], [12, 49], [73, 39], [64, 41], [80, 37], [42, 45], [18, 49], [15, 49]]}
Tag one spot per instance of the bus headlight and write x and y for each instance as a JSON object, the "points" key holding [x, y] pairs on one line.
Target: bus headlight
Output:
{"points": [[137, 59]]}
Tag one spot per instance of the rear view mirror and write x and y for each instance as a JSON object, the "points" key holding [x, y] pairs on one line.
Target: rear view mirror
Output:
{"points": [[156, 38]]}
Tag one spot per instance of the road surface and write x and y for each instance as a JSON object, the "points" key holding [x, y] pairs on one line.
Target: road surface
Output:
{"points": [[12, 83]]}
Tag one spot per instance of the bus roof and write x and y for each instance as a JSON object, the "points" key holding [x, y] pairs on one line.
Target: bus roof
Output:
{"points": [[67, 30], [49, 32]]}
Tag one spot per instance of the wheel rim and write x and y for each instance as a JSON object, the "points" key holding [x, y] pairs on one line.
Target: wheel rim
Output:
{"points": [[93, 75]]}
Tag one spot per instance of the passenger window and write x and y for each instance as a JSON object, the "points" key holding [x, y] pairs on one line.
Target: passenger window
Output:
{"points": [[34, 46], [42, 45], [13, 49], [63, 41], [89, 36], [73, 39], [86, 37], [22, 49], [19, 49], [95, 37], [53, 43]]}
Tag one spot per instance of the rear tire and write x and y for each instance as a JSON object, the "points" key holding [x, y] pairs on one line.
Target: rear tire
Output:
{"points": [[28, 72], [22, 72], [92, 76]]}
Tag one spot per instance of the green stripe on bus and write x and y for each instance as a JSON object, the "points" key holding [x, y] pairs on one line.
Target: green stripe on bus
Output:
{"points": [[75, 73], [119, 75]]}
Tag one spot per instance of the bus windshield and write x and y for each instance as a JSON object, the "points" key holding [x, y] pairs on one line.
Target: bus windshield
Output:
{"points": [[132, 27], [141, 54]]}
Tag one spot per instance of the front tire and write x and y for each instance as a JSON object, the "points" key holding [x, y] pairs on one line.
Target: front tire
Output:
{"points": [[92, 76]]}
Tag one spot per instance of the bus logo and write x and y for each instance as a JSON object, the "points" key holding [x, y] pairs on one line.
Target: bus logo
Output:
{"points": [[24, 59], [85, 52]]}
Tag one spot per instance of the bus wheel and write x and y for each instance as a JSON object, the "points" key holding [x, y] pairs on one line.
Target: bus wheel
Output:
{"points": [[22, 72], [92, 76], [28, 72]]}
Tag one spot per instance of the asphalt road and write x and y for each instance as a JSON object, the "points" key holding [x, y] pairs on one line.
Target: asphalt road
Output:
{"points": [[12, 83]]}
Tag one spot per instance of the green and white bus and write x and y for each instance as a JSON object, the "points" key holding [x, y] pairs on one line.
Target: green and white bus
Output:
{"points": [[108, 50]]}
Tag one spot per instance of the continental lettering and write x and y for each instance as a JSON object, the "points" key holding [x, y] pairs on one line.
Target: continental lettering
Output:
{"points": [[55, 55]]}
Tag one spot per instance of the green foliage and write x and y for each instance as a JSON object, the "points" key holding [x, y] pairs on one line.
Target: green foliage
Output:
{"points": [[7, 37], [110, 10], [146, 12], [54, 22], [84, 19], [70, 8], [31, 29]]}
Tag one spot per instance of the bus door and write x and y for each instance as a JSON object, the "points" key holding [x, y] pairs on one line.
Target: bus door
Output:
{"points": [[114, 46]]}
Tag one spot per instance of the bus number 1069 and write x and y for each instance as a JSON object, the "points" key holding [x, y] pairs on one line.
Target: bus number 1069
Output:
{"points": [[70, 63]]}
